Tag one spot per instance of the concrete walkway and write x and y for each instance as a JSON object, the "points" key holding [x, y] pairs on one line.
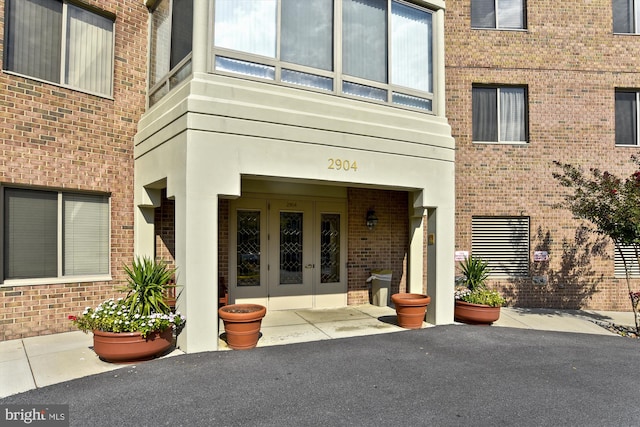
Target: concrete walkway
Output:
{"points": [[37, 362]]}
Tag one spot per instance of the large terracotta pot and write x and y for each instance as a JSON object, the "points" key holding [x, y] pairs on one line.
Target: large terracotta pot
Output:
{"points": [[242, 324], [123, 347], [410, 309], [475, 314]]}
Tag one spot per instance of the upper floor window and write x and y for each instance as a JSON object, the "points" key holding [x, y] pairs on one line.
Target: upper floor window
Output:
{"points": [[50, 234], [499, 14], [385, 45], [61, 43], [626, 16], [171, 42], [627, 117], [499, 114]]}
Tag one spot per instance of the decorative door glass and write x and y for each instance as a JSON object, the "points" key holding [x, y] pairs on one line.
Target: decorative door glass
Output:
{"points": [[248, 248], [290, 248], [329, 248]]}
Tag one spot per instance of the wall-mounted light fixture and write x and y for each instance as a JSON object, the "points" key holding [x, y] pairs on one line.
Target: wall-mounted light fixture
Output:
{"points": [[372, 219]]}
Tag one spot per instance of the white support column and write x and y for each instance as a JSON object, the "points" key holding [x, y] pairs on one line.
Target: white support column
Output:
{"points": [[440, 265], [200, 45], [416, 247], [196, 219]]}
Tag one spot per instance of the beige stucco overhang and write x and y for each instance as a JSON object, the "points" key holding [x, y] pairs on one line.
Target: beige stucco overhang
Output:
{"points": [[201, 139]]}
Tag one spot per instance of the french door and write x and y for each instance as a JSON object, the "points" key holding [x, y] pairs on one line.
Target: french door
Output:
{"points": [[288, 253]]}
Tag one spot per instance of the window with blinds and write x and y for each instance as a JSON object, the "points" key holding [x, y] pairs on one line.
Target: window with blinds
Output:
{"points": [[61, 43], [630, 257], [48, 234], [504, 243]]}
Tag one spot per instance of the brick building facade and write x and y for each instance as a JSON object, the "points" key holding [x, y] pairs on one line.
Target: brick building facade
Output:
{"points": [[94, 128], [570, 62], [63, 140]]}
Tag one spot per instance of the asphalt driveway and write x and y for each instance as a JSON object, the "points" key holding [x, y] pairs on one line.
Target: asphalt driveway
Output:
{"points": [[442, 376]]}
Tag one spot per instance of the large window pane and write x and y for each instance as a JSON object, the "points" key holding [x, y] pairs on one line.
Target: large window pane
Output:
{"points": [[35, 44], [30, 234], [512, 114], [411, 47], [160, 61], [246, 25], [34, 38], [364, 39], [307, 33], [89, 51], [483, 14], [626, 118], [510, 14], [485, 114], [85, 234], [623, 16], [181, 30]]}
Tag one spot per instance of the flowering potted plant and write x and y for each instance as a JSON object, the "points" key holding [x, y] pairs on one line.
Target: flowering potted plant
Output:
{"points": [[475, 302], [138, 326]]}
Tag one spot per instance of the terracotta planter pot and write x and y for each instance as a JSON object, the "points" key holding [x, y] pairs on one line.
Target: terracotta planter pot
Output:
{"points": [[475, 314], [242, 324], [410, 309], [123, 347]]}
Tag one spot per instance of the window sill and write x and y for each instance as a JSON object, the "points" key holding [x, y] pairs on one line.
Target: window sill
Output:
{"points": [[521, 30], [500, 142], [56, 280]]}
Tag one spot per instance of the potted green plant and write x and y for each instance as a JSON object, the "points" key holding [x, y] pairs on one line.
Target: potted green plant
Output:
{"points": [[139, 325], [475, 303]]}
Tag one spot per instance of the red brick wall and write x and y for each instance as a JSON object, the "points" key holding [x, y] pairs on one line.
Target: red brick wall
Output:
{"points": [[384, 247], [571, 63], [56, 138]]}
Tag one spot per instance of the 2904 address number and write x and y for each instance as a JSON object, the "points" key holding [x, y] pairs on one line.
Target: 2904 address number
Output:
{"points": [[342, 165]]}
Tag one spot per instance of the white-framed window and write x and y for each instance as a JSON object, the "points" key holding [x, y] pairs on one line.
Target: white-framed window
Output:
{"points": [[626, 16], [499, 114], [627, 117], [503, 242], [629, 254], [171, 35], [62, 43], [499, 14], [51, 234], [379, 50]]}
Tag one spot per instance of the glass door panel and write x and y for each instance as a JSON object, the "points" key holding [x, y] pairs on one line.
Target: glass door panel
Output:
{"points": [[248, 248], [330, 279], [291, 248], [291, 263], [329, 248]]}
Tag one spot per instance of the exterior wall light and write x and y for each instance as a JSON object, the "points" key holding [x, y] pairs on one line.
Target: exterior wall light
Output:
{"points": [[372, 219]]}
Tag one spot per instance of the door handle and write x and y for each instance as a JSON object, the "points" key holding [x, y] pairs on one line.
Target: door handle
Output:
{"points": [[310, 266]]}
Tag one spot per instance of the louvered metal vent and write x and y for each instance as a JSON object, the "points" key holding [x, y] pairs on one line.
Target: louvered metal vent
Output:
{"points": [[504, 243], [632, 262]]}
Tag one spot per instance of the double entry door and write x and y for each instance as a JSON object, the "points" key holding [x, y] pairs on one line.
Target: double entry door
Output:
{"points": [[288, 253]]}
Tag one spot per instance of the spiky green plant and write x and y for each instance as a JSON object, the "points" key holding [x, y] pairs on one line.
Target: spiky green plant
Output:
{"points": [[475, 271], [146, 286]]}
